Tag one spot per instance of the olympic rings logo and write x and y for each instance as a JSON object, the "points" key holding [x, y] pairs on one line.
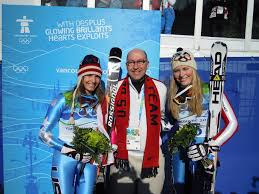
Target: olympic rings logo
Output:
{"points": [[20, 69], [25, 40]]}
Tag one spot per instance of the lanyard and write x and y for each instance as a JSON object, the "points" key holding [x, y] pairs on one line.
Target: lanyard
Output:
{"points": [[141, 107]]}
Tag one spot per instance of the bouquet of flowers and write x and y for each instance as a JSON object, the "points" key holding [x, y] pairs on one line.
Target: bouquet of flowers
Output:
{"points": [[88, 140], [183, 137]]}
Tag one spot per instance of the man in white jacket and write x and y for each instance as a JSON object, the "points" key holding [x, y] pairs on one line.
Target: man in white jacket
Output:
{"points": [[139, 112]]}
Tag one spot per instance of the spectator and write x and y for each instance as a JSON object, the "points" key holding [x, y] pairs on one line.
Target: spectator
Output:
{"points": [[168, 16], [139, 106]]}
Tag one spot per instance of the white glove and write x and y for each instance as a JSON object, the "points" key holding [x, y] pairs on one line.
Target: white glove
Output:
{"points": [[199, 151], [86, 157], [73, 154], [66, 150]]}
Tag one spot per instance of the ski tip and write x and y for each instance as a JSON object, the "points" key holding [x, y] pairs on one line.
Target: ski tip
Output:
{"points": [[115, 52], [179, 49], [219, 43]]}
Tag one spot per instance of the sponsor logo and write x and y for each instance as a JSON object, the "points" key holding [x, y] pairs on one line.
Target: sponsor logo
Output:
{"points": [[24, 36], [217, 79], [113, 90]]}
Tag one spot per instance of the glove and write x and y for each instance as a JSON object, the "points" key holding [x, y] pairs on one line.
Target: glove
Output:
{"points": [[86, 157], [197, 152], [66, 149], [122, 164], [71, 152]]}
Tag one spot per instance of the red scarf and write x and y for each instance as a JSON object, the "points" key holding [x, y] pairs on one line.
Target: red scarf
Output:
{"points": [[153, 116]]}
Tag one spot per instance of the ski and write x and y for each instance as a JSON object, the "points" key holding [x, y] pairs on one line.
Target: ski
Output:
{"points": [[113, 73], [217, 79]]}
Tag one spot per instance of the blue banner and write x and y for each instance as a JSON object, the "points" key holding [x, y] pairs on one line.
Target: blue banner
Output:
{"points": [[42, 49]]}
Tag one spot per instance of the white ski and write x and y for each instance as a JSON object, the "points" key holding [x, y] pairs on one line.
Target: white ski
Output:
{"points": [[217, 78], [114, 65]]}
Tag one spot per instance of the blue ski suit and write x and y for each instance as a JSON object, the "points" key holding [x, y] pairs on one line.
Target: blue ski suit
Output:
{"points": [[183, 168], [65, 169]]}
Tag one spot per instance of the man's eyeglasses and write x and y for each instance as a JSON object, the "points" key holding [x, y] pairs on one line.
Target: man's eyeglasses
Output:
{"points": [[181, 56], [183, 96], [139, 62]]}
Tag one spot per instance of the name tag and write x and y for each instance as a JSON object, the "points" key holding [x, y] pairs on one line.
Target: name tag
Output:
{"points": [[133, 138]]}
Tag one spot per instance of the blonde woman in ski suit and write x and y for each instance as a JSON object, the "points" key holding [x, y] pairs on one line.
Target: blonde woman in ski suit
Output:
{"points": [[189, 103]]}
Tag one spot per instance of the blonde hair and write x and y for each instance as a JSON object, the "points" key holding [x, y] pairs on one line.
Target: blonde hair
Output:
{"points": [[194, 104]]}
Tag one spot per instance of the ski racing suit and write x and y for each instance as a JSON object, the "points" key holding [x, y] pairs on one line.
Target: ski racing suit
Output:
{"points": [[65, 169], [188, 174]]}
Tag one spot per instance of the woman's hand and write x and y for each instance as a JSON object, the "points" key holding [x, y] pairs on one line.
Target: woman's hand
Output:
{"points": [[86, 157], [66, 150]]}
